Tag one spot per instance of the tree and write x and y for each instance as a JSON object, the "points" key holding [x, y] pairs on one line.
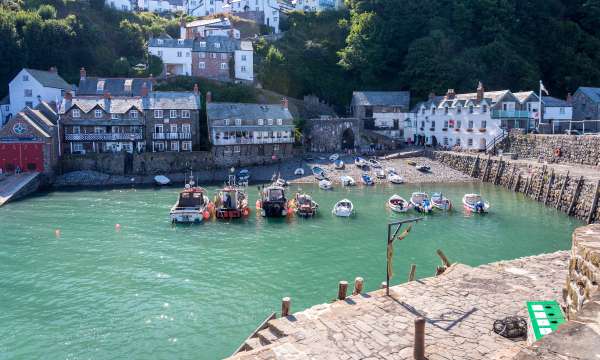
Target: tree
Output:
{"points": [[121, 67]]}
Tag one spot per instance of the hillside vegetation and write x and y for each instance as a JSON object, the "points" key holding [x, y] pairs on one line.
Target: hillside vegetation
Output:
{"points": [[433, 45]]}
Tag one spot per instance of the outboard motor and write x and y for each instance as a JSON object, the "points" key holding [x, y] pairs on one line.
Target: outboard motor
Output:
{"points": [[479, 206]]}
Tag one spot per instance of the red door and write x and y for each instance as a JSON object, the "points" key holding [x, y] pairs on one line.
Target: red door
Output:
{"points": [[25, 156]]}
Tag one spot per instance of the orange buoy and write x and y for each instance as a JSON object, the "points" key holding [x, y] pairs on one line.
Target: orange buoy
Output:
{"points": [[206, 215], [258, 204], [117, 227], [246, 212]]}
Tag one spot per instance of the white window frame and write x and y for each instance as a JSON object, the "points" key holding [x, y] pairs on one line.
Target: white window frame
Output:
{"points": [[173, 114], [158, 114], [76, 129], [114, 116], [133, 114], [186, 128], [261, 122], [237, 149], [270, 122], [174, 145], [186, 146], [201, 65], [97, 113], [238, 122], [185, 114], [76, 113], [279, 121]]}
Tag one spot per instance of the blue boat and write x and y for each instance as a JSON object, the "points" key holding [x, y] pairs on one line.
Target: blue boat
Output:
{"points": [[360, 162], [421, 202], [319, 173], [367, 180], [339, 164]]}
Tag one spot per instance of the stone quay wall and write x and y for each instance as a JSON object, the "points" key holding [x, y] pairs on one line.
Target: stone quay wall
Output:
{"points": [[573, 149], [578, 197]]}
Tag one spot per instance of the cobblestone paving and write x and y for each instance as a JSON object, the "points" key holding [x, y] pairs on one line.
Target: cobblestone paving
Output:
{"points": [[459, 306]]}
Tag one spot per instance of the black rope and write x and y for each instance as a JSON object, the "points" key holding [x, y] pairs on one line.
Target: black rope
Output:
{"points": [[511, 327]]}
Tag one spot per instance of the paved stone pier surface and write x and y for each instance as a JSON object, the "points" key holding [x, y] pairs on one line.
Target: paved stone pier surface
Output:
{"points": [[459, 306]]}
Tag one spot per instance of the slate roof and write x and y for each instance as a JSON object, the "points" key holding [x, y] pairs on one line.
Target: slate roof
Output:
{"points": [[592, 92], [114, 86], [381, 98], [49, 79], [216, 22], [172, 100], [25, 117], [491, 97], [171, 43], [243, 111], [226, 44], [550, 101], [114, 106], [524, 95]]}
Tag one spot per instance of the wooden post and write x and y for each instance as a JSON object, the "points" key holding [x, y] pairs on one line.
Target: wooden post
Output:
{"points": [[475, 165], [358, 286], [517, 183], [498, 172], [590, 217], [411, 274], [419, 346], [342, 289], [550, 183], [444, 258], [562, 190], [285, 306], [575, 195], [539, 193], [487, 166], [510, 183]]}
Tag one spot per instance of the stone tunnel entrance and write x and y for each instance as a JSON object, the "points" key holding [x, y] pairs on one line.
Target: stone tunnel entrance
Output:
{"points": [[348, 139]]}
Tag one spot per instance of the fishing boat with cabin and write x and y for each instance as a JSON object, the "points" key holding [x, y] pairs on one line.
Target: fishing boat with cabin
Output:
{"points": [[231, 201], [272, 202], [192, 205], [420, 201], [475, 203], [304, 205]]}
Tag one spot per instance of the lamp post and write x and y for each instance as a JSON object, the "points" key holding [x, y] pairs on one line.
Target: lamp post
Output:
{"points": [[392, 234]]}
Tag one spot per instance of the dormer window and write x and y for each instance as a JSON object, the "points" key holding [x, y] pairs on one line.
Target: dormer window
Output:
{"points": [[470, 109], [261, 122], [100, 86], [217, 45], [133, 114], [484, 108], [76, 113], [98, 113], [433, 110], [446, 110], [202, 44], [114, 116]]}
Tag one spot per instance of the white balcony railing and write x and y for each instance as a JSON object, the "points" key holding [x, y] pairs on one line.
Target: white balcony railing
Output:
{"points": [[172, 136], [252, 141], [104, 137]]}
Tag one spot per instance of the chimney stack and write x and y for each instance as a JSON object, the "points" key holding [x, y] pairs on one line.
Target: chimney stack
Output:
{"points": [[569, 98], [106, 95], [208, 97], [68, 95], [82, 74], [53, 69], [196, 90], [480, 91], [431, 96], [144, 89], [450, 94], [284, 103]]}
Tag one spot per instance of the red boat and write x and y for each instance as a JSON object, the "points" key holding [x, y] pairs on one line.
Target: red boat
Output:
{"points": [[231, 203]]}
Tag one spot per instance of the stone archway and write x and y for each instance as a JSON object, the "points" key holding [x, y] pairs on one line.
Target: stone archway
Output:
{"points": [[348, 139]]}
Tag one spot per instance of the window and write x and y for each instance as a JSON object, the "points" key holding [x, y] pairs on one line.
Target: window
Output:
{"points": [[179, 54], [158, 128], [100, 86], [158, 113], [98, 113], [223, 66], [187, 54], [432, 111], [26, 77], [483, 124], [186, 128], [160, 53], [223, 56], [261, 122], [133, 114], [236, 149], [175, 146], [226, 122], [238, 122], [433, 124], [243, 57], [173, 114], [458, 141], [270, 122], [173, 128], [217, 45], [445, 141], [458, 124], [114, 116], [201, 65], [77, 147], [470, 124], [484, 108], [202, 55], [470, 109], [185, 114], [186, 146], [28, 93], [279, 121], [99, 130], [76, 113], [203, 44], [275, 147], [562, 110], [445, 124], [243, 68], [445, 110], [159, 146], [470, 142], [459, 109], [76, 130]]}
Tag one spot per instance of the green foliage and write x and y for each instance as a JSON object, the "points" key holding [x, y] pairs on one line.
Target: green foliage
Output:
{"points": [[220, 91], [121, 67], [47, 12]]}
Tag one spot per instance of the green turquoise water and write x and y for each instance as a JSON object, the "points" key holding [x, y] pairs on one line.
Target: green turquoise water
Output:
{"points": [[156, 291]]}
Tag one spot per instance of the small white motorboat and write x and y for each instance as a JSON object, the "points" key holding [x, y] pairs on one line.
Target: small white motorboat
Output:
{"points": [[423, 168], [380, 174], [343, 208], [334, 157], [395, 178], [325, 184], [398, 204], [280, 182], [375, 164], [319, 173], [475, 203], [441, 202], [339, 164], [162, 180], [347, 180], [360, 162], [421, 202], [299, 171], [390, 170]]}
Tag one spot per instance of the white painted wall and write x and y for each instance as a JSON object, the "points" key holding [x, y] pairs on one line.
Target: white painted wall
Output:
{"points": [[244, 61], [558, 113], [176, 56], [159, 6], [270, 8], [17, 88], [123, 5], [204, 7], [317, 5]]}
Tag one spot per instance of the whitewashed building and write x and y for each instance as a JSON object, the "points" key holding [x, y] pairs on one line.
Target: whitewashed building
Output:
{"points": [[30, 87], [123, 5], [262, 11], [385, 112], [160, 6], [317, 5], [557, 115], [244, 61], [208, 27], [204, 7], [176, 54]]}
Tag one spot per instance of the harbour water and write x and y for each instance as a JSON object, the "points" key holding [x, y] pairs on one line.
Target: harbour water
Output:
{"points": [[150, 290]]}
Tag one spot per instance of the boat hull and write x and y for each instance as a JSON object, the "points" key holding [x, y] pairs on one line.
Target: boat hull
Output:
{"points": [[186, 216], [231, 213], [269, 209]]}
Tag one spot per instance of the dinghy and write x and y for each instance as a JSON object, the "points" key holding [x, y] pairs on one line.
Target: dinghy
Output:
{"points": [[375, 164], [411, 162], [475, 203], [398, 204], [423, 168], [299, 171], [360, 162], [334, 157], [280, 182], [162, 180], [395, 178], [421, 202], [343, 208], [367, 180], [441, 202], [325, 184], [380, 174], [347, 180], [319, 173], [305, 206], [390, 170], [339, 164]]}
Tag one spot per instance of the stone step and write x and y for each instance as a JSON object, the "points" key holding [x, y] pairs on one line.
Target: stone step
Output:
{"points": [[252, 343], [281, 327], [266, 336]]}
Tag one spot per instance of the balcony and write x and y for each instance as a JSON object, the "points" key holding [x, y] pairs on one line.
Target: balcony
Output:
{"points": [[104, 137], [253, 141], [172, 136], [511, 114]]}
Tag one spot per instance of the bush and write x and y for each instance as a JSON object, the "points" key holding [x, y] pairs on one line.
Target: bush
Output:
{"points": [[47, 12]]}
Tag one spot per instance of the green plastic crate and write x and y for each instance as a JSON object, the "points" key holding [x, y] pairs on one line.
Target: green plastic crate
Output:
{"points": [[544, 318]]}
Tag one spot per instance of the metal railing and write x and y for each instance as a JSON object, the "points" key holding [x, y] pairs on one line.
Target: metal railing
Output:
{"points": [[512, 114], [491, 147], [172, 136], [104, 137]]}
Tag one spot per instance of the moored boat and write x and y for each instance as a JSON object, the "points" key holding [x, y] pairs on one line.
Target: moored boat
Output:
{"points": [[319, 173], [325, 184], [347, 180], [395, 178], [380, 174], [374, 163], [299, 171], [420, 201], [280, 182], [273, 202], [243, 176], [343, 208], [231, 202], [339, 164], [305, 206], [360, 162], [441, 202], [334, 157], [398, 204], [367, 180], [423, 168], [161, 180], [191, 206], [475, 203]]}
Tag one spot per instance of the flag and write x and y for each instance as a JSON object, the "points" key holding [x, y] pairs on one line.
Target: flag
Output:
{"points": [[543, 88]]}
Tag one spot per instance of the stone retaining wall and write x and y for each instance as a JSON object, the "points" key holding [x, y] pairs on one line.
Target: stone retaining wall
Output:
{"points": [[570, 195], [574, 149]]}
